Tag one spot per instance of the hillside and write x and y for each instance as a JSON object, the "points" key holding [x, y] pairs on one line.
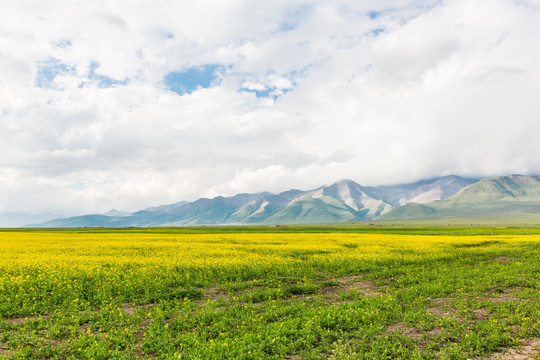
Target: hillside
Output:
{"points": [[505, 196], [421, 192]]}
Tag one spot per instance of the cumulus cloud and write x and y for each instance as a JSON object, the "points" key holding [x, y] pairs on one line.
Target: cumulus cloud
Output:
{"points": [[116, 105]]}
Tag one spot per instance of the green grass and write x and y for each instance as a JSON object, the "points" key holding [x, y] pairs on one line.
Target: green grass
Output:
{"points": [[463, 300]]}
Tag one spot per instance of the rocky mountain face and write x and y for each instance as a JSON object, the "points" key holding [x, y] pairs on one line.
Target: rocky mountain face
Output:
{"points": [[342, 201], [511, 196]]}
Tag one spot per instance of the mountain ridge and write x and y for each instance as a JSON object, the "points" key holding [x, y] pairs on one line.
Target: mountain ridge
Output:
{"points": [[503, 196], [343, 200]]}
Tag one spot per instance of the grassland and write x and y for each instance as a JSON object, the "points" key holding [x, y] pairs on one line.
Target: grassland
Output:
{"points": [[255, 293]]}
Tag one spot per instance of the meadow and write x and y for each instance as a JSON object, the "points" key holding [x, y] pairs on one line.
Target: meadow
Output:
{"points": [[268, 293]]}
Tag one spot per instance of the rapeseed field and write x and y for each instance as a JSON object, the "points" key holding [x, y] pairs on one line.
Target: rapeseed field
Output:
{"points": [[114, 294]]}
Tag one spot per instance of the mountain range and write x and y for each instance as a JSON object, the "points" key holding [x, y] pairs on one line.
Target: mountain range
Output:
{"points": [[450, 197], [341, 201], [505, 197]]}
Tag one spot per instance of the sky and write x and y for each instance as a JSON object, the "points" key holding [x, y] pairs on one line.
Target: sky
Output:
{"points": [[127, 105]]}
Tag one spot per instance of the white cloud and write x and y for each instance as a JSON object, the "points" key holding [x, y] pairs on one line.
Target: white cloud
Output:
{"points": [[309, 92]]}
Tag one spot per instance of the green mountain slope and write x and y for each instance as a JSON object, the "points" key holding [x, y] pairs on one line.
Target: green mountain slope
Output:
{"points": [[510, 196], [254, 212], [310, 210], [409, 211]]}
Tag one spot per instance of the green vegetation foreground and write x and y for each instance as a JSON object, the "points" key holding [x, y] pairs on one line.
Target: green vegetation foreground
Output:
{"points": [[153, 294]]}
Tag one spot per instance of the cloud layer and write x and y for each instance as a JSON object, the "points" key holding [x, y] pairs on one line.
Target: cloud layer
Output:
{"points": [[116, 105]]}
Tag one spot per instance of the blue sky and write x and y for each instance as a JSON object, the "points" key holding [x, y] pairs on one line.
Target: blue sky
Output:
{"points": [[191, 79], [128, 106], [48, 69]]}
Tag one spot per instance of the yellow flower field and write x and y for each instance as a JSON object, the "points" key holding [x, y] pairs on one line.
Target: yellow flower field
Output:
{"points": [[154, 293]]}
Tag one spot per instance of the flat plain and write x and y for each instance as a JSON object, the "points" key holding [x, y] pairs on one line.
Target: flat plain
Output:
{"points": [[263, 293]]}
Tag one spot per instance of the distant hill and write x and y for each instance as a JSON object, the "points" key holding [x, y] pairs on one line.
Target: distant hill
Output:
{"points": [[342, 201], [505, 196], [13, 219], [423, 191]]}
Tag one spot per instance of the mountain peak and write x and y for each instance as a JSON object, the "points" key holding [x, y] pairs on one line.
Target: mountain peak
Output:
{"points": [[114, 212], [344, 182]]}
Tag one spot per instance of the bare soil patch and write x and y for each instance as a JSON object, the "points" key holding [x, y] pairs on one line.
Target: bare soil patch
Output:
{"points": [[404, 330], [440, 308], [354, 282], [214, 293], [509, 294], [293, 357], [420, 336], [481, 314], [435, 332], [22, 320], [5, 352], [528, 350], [128, 308], [140, 354]]}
